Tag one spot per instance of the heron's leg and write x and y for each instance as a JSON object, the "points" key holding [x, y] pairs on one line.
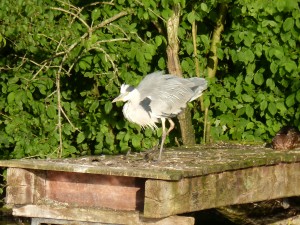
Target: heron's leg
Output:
{"points": [[163, 138], [165, 134], [172, 125]]}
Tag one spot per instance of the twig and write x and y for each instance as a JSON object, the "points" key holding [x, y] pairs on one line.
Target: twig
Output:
{"points": [[59, 153], [108, 57], [119, 28], [205, 130], [67, 118], [156, 14], [109, 20], [194, 34], [73, 14], [112, 40]]}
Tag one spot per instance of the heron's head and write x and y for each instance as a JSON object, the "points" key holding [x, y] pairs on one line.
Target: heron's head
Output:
{"points": [[125, 93]]}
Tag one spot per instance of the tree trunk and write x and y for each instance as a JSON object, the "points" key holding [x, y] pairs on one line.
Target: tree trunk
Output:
{"points": [[212, 64], [185, 120], [213, 58]]}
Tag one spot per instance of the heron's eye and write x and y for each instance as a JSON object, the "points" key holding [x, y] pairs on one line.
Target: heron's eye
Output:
{"points": [[129, 88], [125, 88]]}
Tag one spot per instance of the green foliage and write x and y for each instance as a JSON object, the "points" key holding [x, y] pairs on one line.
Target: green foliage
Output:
{"points": [[89, 49], [62, 62], [260, 71]]}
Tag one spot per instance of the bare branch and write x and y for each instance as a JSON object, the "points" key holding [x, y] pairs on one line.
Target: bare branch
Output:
{"points": [[112, 40], [109, 20], [108, 57], [67, 118], [73, 14], [158, 16]]}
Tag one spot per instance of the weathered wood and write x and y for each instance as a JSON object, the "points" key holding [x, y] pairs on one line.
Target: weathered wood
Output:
{"points": [[42, 221], [185, 181], [164, 198], [177, 163], [20, 186], [90, 190], [94, 190], [96, 215], [39, 191]]}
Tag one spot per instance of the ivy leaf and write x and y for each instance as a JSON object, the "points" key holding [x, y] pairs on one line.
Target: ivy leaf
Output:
{"points": [[273, 67], [280, 5], [290, 66], [80, 138], [161, 63], [263, 105], [191, 17], [258, 79], [249, 111], [280, 106], [108, 107], [272, 108], [258, 49], [288, 24], [51, 111], [11, 98], [290, 100], [158, 40], [247, 98], [204, 7], [136, 141], [298, 96], [247, 56], [94, 106], [270, 83], [95, 14]]}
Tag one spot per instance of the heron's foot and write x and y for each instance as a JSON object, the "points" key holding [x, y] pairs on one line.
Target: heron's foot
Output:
{"points": [[151, 154], [128, 152]]}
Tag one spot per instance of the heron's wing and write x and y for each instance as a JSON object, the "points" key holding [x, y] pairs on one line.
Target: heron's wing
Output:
{"points": [[167, 95]]}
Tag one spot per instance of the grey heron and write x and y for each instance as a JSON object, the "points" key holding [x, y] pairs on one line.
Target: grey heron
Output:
{"points": [[158, 98]]}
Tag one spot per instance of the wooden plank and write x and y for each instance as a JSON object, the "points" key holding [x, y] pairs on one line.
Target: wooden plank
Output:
{"points": [[39, 191], [76, 189], [176, 164], [24, 186], [96, 215], [42, 221], [19, 195], [165, 198], [20, 186], [94, 190], [19, 177]]}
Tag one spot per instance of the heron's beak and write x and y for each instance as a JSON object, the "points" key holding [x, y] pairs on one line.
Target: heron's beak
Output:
{"points": [[119, 98]]}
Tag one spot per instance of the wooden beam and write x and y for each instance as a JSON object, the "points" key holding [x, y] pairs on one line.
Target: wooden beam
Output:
{"points": [[164, 198], [20, 184], [89, 215], [75, 189], [95, 190], [178, 163]]}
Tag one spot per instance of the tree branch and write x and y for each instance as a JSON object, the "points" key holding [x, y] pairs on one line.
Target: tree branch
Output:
{"points": [[174, 67], [213, 58]]}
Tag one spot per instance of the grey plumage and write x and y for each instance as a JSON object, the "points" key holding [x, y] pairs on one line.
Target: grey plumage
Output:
{"points": [[159, 97]]}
